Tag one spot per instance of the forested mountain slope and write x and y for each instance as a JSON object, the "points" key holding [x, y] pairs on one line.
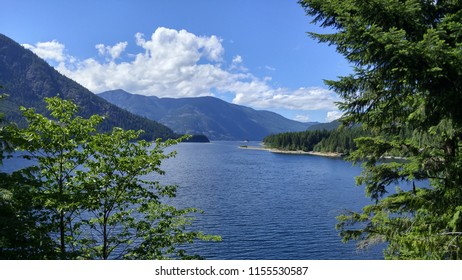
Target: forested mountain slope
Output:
{"points": [[213, 117], [28, 79]]}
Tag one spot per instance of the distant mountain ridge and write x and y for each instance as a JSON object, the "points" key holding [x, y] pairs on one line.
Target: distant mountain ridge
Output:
{"points": [[213, 117], [327, 126], [28, 79]]}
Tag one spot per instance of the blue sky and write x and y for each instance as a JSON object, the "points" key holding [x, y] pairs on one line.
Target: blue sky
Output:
{"points": [[254, 53]]}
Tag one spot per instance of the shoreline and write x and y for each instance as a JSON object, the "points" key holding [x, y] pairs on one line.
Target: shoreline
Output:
{"points": [[299, 152]]}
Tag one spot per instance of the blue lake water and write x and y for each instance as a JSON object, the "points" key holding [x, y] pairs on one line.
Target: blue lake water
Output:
{"points": [[266, 205], [263, 205]]}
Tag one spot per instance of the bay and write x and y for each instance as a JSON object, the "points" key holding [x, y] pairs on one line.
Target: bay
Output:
{"points": [[266, 205]]}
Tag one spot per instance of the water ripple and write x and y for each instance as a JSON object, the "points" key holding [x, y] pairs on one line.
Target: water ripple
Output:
{"points": [[264, 205]]}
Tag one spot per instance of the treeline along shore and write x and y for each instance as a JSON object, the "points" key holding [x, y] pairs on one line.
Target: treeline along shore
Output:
{"points": [[338, 142], [333, 143], [297, 152]]}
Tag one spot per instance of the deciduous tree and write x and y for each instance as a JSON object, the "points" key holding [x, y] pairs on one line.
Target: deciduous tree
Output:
{"points": [[125, 216], [94, 193], [55, 146]]}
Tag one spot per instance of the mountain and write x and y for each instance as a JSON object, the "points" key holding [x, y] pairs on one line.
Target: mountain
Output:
{"points": [[213, 117], [28, 79], [327, 126]]}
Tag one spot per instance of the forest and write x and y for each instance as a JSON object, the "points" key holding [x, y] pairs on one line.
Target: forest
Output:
{"points": [[339, 140]]}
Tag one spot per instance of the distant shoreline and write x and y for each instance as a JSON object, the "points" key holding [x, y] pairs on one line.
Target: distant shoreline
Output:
{"points": [[298, 152]]}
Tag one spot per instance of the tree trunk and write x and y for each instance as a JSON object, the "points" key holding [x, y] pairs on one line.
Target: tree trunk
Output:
{"points": [[62, 234], [105, 239]]}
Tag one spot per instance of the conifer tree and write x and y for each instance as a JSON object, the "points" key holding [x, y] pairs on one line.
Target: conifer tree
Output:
{"points": [[407, 75]]}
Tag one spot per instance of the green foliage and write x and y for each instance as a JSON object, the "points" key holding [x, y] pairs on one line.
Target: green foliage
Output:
{"points": [[124, 215], [21, 234], [335, 141], [91, 195], [406, 90], [296, 140], [55, 145]]}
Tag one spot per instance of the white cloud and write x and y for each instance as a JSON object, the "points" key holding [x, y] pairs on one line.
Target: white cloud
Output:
{"points": [[237, 59], [52, 50], [333, 115], [259, 94], [237, 65], [302, 118], [174, 63], [114, 52]]}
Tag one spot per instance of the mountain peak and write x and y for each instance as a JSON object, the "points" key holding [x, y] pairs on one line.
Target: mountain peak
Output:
{"points": [[208, 115]]}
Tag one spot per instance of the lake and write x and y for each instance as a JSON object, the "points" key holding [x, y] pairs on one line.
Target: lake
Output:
{"points": [[266, 205]]}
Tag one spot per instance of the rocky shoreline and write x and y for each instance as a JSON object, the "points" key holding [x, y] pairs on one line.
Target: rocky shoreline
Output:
{"points": [[299, 152]]}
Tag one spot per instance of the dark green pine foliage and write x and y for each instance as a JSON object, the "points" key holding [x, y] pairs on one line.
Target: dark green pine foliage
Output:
{"points": [[335, 141], [292, 141], [407, 58], [28, 80], [340, 141]]}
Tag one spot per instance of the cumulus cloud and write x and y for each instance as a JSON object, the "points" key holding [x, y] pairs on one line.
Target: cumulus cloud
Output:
{"points": [[173, 63], [260, 94], [333, 115], [52, 50], [114, 52], [177, 63]]}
